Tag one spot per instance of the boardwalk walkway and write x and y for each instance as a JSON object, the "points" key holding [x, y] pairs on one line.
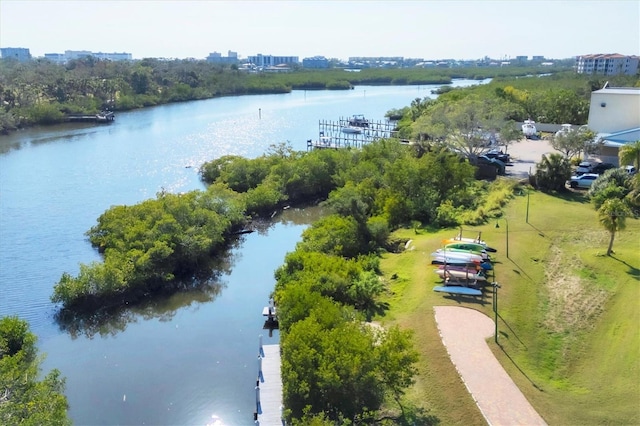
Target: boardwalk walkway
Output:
{"points": [[270, 388], [463, 333]]}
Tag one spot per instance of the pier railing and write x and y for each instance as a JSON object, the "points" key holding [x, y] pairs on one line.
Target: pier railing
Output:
{"points": [[345, 133]]}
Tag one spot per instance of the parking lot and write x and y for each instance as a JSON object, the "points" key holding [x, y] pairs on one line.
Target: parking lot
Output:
{"points": [[525, 154]]}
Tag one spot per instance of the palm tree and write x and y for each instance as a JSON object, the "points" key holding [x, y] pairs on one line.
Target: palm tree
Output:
{"points": [[612, 215], [630, 154], [552, 172]]}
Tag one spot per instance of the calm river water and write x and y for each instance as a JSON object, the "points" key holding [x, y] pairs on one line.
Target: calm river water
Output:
{"points": [[183, 359]]}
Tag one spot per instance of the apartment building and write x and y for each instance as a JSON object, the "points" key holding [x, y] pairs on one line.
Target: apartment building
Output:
{"points": [[607, 64], [20, 54], [264, 61]]}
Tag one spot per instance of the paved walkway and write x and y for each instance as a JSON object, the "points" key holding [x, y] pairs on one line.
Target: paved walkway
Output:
{"points": [[463, 333]]}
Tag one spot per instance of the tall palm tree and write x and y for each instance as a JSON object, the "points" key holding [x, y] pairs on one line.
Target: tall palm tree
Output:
{"points": [[612, 215], [630, 154]]}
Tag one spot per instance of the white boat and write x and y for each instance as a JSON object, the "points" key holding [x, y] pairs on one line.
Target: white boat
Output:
{"points": [[564, 130], [358, 120], [529, 129], [351, 129]]}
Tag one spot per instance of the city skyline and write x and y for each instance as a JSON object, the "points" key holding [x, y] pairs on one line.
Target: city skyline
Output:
{"points": [[334, 29]]}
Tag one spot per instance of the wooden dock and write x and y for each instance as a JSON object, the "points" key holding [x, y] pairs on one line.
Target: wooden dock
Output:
{"points": [[269, 391], [343, 134], [101, 117]]}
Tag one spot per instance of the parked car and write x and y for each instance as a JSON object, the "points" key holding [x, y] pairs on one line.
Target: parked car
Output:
{"points": [[585, 167], [582, 181], [499, 165], [498, 155], [631, 170], [601, 168]]}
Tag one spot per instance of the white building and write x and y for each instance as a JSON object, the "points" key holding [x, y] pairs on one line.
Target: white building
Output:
{"points": [[62, 58], [614, 114], [264, 61], [607, 64], [115, 56], [217, 58]]}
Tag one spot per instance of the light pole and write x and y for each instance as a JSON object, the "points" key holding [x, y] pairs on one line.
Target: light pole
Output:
{"points": [[527, 217], [507, 229], [496, 286]]}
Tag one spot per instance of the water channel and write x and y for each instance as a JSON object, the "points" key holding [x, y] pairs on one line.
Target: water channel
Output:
{"points": [[180, 359]]}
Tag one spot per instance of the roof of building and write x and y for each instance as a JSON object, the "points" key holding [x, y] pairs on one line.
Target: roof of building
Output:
{"points": [[621, 138], [606, 56], [619, 90]]}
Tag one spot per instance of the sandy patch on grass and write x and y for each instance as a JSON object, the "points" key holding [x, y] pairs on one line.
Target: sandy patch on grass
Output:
{"points": [[573, 301]]}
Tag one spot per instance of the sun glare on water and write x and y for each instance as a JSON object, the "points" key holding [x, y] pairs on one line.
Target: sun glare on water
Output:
{"points": [[215, 421]]}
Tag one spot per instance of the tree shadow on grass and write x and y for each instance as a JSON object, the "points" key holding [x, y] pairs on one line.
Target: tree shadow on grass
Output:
{"points": [[571, 195], [411, 416], [512, 331], [633, 271], [467, 299], [520, 369]]}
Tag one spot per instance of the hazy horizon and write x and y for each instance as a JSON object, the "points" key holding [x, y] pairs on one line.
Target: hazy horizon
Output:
{"points": [[334, 29]]}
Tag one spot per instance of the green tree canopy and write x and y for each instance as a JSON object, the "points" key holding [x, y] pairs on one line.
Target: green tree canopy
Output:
{"points": [[25, 400], [552, 172]]}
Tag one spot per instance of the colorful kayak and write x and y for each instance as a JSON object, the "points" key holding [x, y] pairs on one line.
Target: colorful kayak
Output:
{"points": [[460, 254], [460, 239], [461, 262], [469, 246], [459, 275], [473, 268], [452, 289]]}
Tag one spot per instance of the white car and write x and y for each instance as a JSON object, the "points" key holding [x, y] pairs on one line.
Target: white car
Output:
{"points": [[584, 167], [582, 181]]}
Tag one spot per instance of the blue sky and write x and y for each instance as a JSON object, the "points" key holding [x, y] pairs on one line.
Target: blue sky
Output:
{"points": [[335, 29]]}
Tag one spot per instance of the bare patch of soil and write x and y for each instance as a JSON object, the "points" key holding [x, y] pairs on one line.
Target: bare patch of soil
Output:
{"points": [[573, 301]]}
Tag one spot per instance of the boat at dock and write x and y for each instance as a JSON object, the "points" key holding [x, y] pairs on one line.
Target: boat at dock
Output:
{"points": [[529, 129], [351, 129], [358, 120], [101, 117]]}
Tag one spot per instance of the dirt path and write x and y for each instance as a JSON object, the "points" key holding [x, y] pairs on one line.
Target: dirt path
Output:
{"points": [[463, 332]]}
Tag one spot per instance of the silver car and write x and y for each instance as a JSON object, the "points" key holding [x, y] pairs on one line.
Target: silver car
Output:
{"points": [[582, 181]]}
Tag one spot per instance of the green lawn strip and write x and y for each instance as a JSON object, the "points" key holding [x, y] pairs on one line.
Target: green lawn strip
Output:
{"points": [[438, 387], [569, 322]]}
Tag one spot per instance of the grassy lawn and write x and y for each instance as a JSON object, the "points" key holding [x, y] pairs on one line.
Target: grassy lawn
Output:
{"points": [[569, 325]]}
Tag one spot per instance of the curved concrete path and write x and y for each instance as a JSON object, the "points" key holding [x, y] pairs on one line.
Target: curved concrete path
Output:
{"points": [[463, 332]]}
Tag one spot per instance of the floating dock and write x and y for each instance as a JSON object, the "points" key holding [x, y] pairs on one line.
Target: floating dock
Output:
{"points": [[269, 390], [101, 117]]}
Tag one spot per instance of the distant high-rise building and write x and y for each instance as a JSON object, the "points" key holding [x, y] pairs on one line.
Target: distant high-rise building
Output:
{"points": [[20, 54], [217, 58], [607, 64], [261, 60], [113, 56], [315, 62], [58, 58], [62, 58], [76, 54]]}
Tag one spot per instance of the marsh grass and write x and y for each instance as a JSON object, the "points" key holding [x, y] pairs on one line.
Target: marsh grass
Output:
{"points": [[569, 324]]}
